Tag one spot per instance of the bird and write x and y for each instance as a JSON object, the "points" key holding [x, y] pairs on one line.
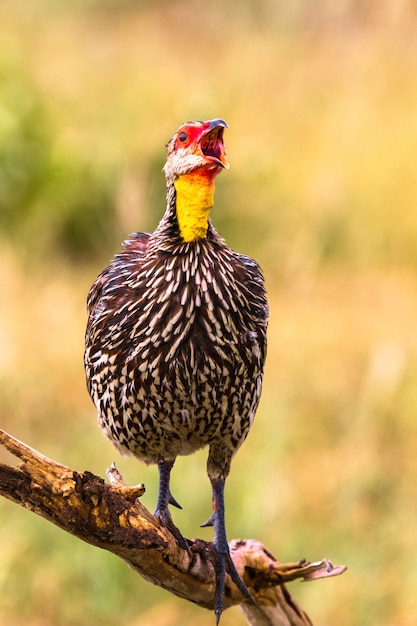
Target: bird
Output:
{"points": [[176, 337]]}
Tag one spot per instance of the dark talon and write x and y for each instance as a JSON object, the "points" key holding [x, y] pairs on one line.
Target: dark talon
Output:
{"points": [[209, 522], [234, 574], [174, 502]]}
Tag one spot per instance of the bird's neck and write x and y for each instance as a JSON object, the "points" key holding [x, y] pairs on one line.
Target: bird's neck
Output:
{"points": [[194, 199]]}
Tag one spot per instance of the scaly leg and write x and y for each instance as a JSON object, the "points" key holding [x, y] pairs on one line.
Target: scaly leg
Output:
{"points": [[165, 498], [223, 559]]}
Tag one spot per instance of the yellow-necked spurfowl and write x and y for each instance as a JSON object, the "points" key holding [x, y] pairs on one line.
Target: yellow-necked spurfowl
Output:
{"points": [[176, 336]]}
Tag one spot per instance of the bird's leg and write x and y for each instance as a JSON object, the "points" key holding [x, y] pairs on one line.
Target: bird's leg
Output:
{"points": [[165, 498], [223, 560]]}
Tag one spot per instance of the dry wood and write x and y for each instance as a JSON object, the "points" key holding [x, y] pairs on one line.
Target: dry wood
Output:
{"points": [[110, 516]]}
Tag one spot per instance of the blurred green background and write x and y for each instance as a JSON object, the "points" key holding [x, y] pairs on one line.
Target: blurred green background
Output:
{"points": [[321, 100]]}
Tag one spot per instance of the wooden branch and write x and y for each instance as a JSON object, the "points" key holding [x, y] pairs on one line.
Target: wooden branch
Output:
{"points": [[110, 516]]}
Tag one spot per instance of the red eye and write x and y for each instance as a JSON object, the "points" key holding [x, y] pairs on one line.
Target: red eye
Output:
{"points": [[182, 137]]}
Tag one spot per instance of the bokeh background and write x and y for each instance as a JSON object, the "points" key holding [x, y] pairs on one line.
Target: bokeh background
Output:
{"points": [[321, 100]]}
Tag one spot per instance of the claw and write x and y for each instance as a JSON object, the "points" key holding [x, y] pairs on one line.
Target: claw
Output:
{"points": [[173, 501], [209, 522]]}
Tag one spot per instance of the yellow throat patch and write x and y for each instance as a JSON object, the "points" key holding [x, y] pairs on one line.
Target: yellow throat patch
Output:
{"points": [[194, 199]]}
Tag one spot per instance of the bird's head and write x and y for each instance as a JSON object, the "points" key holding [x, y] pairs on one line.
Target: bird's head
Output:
{"points": [[197, 146], [196, 155]]}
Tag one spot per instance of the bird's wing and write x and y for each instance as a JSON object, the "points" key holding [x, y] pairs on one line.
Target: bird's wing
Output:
{"points": [[255, 282], [135, 249]]}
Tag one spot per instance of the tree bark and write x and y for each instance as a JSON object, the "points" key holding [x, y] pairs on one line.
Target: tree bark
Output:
{"points": [[111, 517]]}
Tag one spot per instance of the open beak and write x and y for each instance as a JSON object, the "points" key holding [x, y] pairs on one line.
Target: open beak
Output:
{"points": [[212, 145]]}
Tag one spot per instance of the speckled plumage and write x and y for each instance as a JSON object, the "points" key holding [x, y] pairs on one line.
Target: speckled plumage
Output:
{"points": [[175, 342]]}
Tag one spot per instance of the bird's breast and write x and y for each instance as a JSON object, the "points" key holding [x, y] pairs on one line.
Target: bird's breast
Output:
{"points": [[186, 305], [178, 344]]}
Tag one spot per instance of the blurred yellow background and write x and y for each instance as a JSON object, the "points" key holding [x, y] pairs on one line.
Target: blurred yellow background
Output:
{"points": [[321, 100]]}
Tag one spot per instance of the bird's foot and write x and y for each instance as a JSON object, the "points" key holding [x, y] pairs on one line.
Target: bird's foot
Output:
{"points": [[164, 516], [223, 564]]}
